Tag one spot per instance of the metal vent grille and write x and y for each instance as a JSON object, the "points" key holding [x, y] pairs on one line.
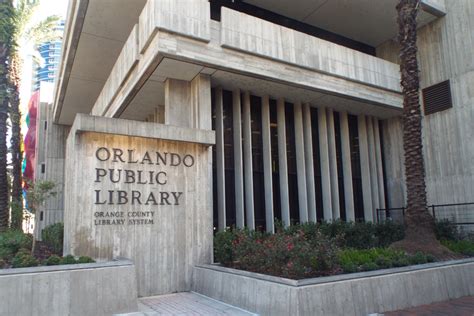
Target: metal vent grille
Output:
{"points": [[437, 98]]}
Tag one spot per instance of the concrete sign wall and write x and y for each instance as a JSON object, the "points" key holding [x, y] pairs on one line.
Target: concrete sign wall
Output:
{"points": [[143, 198]]}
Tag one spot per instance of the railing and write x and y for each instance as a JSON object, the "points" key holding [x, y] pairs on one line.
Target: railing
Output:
{"points": [[457, 213]]}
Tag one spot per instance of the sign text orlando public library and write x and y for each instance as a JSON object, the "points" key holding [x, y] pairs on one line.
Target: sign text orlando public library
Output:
{"points": [[138, 178]]}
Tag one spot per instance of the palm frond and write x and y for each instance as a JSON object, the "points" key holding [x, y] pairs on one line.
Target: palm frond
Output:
{"points": [[44, 31]]}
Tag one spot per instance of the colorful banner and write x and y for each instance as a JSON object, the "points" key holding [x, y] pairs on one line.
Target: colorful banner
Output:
{"points": [[28, 166]]}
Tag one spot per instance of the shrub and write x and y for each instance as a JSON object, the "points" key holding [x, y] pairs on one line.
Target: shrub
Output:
{"points": [[388, 232], [85, 259], [363, 235], [53, 236], [53, 260], [5, 254], [223, 246], [287, 253], [23, 259], [3, 264], [355, 260], [464, 247], [444, 230], [13, 240], [69, 259]]}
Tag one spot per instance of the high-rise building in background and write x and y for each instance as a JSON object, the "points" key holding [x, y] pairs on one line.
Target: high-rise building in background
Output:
{"points": [[51, 54]]}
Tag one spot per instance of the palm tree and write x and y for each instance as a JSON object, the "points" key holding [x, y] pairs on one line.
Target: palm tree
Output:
{"points": [[6, 31], [24, 33], [420, 225]]}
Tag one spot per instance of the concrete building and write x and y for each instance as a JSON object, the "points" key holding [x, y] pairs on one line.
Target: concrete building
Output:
{"points": [[303, 97]]}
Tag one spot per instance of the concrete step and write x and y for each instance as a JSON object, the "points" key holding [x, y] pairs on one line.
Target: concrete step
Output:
{"points": [[185, 303]]}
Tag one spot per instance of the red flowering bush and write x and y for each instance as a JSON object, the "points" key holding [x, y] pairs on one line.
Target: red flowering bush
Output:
{"points": [[292, 255]]}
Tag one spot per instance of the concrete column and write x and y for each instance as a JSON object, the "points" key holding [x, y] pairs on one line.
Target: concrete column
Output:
{"points": [[365, 168], [378, 153], [300, 162], [220, 169], [238, 164], [178, 110], [336, 209], [347, 167], [374, 185], [201, 101], [160, 114], [188, 104], [282, 162], [267, 164], [308, 152], [324, 160], [248, 168], [53, 156]]}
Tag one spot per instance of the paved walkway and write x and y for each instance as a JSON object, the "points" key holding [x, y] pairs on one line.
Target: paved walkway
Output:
{"points": [[185, 304], [463, 306], [193, 304]]}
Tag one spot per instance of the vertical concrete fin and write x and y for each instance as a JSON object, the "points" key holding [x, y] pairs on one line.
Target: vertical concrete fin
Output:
{"points": [[221, 212], [282, 162], [372, 166], [308, 151], [378, 153], [267, 164], [324, 160], [346, 166], [336, 212], [238, 164], [248, 169], [365, 168], [300, 162]]}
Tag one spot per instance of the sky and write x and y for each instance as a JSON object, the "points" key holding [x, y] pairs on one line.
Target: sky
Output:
{"points": [[52, 7]]}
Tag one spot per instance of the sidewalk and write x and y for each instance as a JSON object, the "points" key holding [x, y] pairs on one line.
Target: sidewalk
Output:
{"points": [[185, 304], [463, 306]]}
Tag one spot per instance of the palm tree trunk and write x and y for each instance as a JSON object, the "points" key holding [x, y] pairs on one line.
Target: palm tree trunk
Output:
{"points": [[17, 155], [417, 216], [4, 209], [419, 234], [6, 34]]}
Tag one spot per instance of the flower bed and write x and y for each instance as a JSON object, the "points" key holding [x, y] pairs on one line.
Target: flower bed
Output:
{"points": [[15, 249], [312, 250]]}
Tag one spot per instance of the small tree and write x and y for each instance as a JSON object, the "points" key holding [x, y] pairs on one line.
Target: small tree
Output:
{"points": [[36, 194]]}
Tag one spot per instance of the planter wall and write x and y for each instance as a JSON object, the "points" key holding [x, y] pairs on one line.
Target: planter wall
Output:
{"points": [[80, 289], [349, 294]]}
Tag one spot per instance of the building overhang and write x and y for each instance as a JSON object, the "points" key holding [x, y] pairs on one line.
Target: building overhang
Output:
{"points": [[97, 32]]}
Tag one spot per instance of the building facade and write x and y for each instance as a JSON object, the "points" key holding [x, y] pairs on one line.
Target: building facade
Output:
{"points": [[303, 97]]}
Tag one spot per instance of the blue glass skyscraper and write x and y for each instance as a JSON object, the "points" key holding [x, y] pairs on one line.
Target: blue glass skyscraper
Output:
{"points": [[51, 54]]}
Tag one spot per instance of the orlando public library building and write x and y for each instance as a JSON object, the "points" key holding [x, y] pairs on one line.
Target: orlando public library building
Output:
{"points": [[174, 118]]}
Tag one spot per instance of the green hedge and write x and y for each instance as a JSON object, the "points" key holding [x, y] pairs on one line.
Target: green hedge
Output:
{"points": [[15, 249], [356, 260], [53, 236], [12, 241], [358, 235], [23, 258], [464, 247]]}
